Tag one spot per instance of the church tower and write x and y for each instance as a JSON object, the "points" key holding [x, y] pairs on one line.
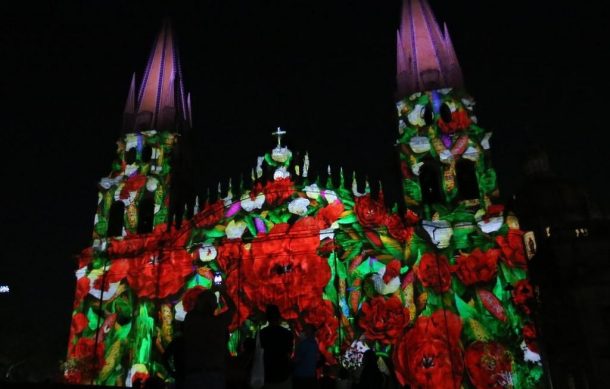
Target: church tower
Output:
{"points": [[133, 223], [136, 196], [473, 267], [441, 289]]}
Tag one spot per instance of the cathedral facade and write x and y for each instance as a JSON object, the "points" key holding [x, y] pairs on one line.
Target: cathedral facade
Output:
{"points": [[440, 290]]}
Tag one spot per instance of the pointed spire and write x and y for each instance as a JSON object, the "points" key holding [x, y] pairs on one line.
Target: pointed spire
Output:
{"points": [[329, 177], [230, 189], [161, 102], [189, 114], [130, 105], [306, 165], [425, 57]]}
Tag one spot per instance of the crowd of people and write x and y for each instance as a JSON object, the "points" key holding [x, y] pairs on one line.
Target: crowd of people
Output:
{"points": [[198, 358]]}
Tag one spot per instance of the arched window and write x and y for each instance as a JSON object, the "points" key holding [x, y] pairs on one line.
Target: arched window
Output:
{"points": [[429, 114], [146, 214], [446, 113], [146, 154], [430, 182], [115, 219], [130, 155], [466, 179]]}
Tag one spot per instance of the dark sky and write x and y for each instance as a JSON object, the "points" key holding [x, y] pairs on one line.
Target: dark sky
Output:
{"points": [[323, 70]]}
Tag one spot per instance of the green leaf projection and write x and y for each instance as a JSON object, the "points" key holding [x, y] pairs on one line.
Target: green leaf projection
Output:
{"points": [[442, 289]]}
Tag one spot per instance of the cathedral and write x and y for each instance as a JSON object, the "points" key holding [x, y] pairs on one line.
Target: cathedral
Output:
{"points": [[437, 288]]}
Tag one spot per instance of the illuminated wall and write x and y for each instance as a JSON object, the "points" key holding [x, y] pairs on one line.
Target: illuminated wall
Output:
{"points": [[442, 289]]}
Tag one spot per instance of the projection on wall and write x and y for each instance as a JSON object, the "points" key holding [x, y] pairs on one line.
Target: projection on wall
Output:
{"points": [[441, 289]]}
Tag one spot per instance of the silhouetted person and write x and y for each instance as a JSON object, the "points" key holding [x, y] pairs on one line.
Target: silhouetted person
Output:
{"points": [[154, 382], [371, 377], [174, 357], [206, 336], [239, 367], [391, 381], [328, 380], [306, 356], [277, 342]]}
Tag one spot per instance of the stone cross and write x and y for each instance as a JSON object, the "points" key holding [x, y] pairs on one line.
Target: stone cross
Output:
{"points": [[279, 134]]}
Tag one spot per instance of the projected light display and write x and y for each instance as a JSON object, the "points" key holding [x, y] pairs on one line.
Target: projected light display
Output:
{"points": [[441, 289], [450, 304]]}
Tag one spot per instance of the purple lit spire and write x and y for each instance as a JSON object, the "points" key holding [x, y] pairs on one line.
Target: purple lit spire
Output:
{"points": [[425, 57], [130, 105], [160, 103]]}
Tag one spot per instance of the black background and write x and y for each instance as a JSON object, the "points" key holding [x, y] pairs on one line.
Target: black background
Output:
{"points": [[323, 70]]}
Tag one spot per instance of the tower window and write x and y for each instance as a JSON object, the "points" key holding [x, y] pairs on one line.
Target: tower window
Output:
{"points": [[146, 214], [430, 182], [130, 155], [446, 113], [146, 153], [466, 179], [429, 114], [115, 219]]}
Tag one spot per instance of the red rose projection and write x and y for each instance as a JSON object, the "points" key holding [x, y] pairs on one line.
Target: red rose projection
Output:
{"points": [[523, 295], [82, 288], [477, 266], [284, 268], [210, 215], [79, 323], [433, 271], [411, 218], [397, 229], [459, 121], [489, 365], [323, 317], [278, 190], [383, 319], [512, 248], [428, 356], [530, 335], [116, 272], [370, 212], [392, 270], [161, 262], [132, 185], [229, 254], [85, 348], [329, 214], [73, 376], [230, 258], [189, 300], [158, 277], [85, 257]]}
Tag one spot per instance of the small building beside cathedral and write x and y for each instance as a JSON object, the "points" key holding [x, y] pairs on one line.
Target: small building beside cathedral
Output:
{"points": [[441, 289]]}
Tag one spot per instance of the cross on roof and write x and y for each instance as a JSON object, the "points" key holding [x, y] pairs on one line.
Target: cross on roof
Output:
{"points": [[279, 133]]}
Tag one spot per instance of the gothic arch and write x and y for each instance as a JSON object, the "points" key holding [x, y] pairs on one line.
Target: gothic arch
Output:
{"points": [[146, 214], [466, 179], [116, 219], [146, 153], [130, 155], [430, 182]]}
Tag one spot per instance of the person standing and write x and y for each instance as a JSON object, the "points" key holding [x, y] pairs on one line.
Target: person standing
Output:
{"points": [[277, 342], [205, 336], [371, 377], [174, 357], [306, 357]]}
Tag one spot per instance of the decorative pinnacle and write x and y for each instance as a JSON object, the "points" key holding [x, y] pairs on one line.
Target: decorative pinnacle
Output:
{"points": [[279, 133]]}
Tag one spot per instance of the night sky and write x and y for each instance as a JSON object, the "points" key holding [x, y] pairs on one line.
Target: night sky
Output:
{"points": [[324, 72]]}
